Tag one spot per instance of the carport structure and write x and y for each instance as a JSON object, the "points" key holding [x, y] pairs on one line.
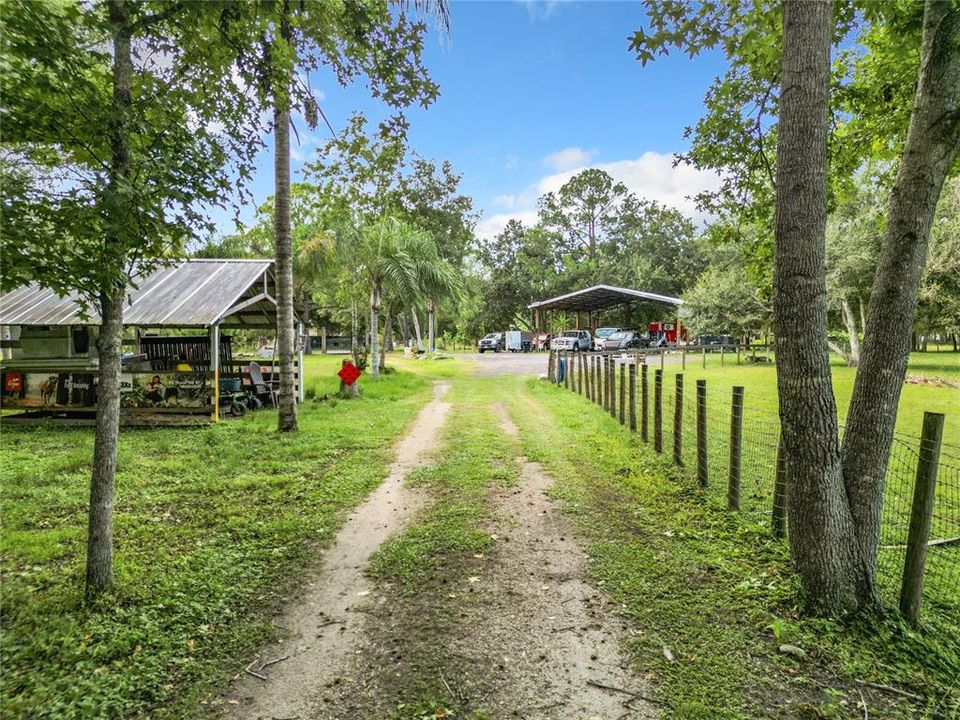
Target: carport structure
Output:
{"points": [[53, 362], [594, 299]]}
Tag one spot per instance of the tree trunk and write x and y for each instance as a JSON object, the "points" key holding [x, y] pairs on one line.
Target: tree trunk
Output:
{"points": [[851, 325], [863, 312], [286, 332], [99, 576], [930, 150], [821, 529], [305, 317], [404, 329], [386, 338], [432, 324], [374, 331], [416, 328]]}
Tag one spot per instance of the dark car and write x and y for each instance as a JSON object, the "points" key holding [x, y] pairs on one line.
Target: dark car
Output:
{"points": [[492, 341], [625, 340]]}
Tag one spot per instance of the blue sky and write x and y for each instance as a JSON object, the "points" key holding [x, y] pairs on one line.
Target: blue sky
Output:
{"points": [[531, 92]]}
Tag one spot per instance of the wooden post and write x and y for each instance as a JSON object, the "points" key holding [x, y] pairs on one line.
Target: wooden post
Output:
{"points": [[703, 352], [613, 388], [323, 340], [633, 397], [658, 410], [702, 464], [580, 361], [644, 404], [623, 393], [588, 360], [736, 448], [721, 356], [566, 370], [598, 396], [663, 353], [921, 515], [302, 338], [215, 367], [551, 374], [678, 422], [779, 523]]}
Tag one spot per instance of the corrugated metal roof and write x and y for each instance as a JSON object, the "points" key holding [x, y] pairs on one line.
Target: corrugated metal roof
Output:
{"points": [[192, 293], [599, 297]]}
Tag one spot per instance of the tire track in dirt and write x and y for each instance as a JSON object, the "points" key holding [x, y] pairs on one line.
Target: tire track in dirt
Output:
{"points": [[324, 624], [566, 638]]}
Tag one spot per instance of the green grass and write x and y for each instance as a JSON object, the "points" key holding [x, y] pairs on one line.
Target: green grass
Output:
{"points": [[474, 457], [213, 526], [716, 589]]}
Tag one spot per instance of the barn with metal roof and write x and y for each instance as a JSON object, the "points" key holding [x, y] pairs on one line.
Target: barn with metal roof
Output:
{"points": [[196, 293]]}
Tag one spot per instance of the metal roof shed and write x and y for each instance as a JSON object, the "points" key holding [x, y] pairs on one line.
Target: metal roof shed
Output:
{"points": [[600, 297], [196, 293]]}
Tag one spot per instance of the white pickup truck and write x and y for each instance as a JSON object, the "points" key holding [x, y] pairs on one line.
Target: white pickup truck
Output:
{"points": [[575, 340]]}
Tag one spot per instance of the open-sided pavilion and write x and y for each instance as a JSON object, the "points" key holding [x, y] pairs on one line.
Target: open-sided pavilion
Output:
{"points": [[591, 301]]}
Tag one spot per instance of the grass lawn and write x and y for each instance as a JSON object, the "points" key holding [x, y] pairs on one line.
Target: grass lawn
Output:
{"points": [[213, 527], [716, 589]]}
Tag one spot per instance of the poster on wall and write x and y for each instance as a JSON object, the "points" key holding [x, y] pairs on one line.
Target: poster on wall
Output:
{"points": [[171, 390]]}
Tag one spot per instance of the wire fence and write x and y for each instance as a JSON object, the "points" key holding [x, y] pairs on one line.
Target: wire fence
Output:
{"points": [[731, 451]]}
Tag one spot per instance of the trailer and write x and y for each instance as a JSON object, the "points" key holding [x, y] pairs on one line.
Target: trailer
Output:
{"points": [[519, 341]]}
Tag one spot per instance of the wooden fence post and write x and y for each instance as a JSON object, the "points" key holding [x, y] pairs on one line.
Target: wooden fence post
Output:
{"points": [[580, 374], [702, 464], [633, 396], [703, 352], [921, 515], [663, 354], [658, 410], [588, 378], [597, 384], [604, 362], [678, 422], [623, 393], [551, 367], [644, 403], [736, 448], [780, 493], [614, 387], [683, 359]]}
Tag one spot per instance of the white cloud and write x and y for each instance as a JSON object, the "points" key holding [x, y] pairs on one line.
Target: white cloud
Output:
{"points": [[571, 157], [652, 176], [540, 9], [489, 227]]}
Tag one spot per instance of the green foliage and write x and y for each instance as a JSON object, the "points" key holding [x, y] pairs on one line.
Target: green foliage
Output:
{"points": [[69, 220], [723, 301], [215, 525]]}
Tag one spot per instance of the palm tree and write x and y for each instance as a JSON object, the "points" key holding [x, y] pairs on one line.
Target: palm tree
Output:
{"points": [[385, 253], [436, 279]]}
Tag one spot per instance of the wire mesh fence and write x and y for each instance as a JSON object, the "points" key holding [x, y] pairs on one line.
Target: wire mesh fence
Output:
{"points": [[696, 428]]}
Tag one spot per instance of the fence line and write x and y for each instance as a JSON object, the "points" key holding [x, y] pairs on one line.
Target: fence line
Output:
{"points": [[722, 436]]}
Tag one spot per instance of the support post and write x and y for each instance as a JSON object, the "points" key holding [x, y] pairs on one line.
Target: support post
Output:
{"points": [[779, 522], [703, 352], [613, 388], [663, 354], [678, 422], [598, 381], [702, 464], [736, 448], [632, 390], [606, 382], [323, 340], [623, 393], [587, 378], [580, 373], [215, 367], [302, 338], [566, 370], [644, 403], [551, 366], [921, 515], [658, 410]]}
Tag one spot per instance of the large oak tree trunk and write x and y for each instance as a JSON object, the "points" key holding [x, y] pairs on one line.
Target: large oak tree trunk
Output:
{"points": [[821, 528], [931, 148], [99, 576]]}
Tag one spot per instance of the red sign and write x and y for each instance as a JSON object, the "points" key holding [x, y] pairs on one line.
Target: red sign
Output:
{"points": [[14, 383], [349, 373]]}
